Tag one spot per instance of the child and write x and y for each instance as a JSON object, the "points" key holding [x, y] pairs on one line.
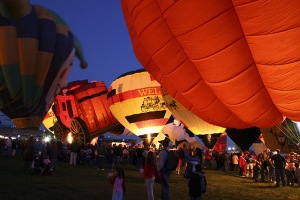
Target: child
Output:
{"points": [[197, 183], [119, 184], [47, 166], [149, 173], [289, 172], [271, 170], [297, 173], [256, 170]]}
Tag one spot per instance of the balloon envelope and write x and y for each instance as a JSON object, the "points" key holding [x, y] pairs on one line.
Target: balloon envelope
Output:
{"points": [[233, 63], [189, 119], [244, 138], [36, 53], [135, 99]]}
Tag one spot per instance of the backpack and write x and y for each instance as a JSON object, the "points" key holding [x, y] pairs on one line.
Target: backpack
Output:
{"points": [[188, 171], [172, 160]]}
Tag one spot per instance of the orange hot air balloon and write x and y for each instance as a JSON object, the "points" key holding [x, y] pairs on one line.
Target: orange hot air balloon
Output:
{"points": [[135, 100], [36, 53], [233, 63]]}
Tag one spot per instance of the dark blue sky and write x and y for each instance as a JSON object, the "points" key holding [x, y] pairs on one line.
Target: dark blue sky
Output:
{"points": [[101, 29]]}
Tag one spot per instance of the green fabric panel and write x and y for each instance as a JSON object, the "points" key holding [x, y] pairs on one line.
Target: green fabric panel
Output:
{"points": [[28, 90], [37, 95], [12, 77], [5, 11], [57, 18]]}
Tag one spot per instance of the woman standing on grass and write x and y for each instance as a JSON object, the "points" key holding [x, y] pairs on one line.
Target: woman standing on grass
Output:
{"points": [[149, 173]]}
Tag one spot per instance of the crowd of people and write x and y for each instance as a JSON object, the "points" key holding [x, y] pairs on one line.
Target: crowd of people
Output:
{"points": [[268, 166]]}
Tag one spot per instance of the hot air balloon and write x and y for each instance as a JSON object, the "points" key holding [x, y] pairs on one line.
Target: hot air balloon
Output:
{"points": [[36, 53], [49, 120], [190, 120], [283, 136], [81, 108], [233, 63], [135, 99], [291, 131], [244, 138]]}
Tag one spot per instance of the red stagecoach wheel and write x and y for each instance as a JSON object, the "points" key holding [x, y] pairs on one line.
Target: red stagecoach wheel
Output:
{"points": [[80, 131], [59, 131]]}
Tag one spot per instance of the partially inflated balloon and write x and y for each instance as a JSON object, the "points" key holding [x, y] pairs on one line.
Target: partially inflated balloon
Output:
{"points": [[135, 99], [81, 108], [233, 63], [36, 53], [49, 120], [189, 119]]}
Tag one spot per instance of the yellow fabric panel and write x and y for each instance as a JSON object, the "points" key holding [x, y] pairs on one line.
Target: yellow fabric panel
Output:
{"points": [[8, 45], [28, 52], [62, 29], [43, 13], [190, 120], [42, 66]]}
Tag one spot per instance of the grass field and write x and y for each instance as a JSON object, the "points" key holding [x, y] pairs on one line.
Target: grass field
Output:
{"points": [[86, 182]]}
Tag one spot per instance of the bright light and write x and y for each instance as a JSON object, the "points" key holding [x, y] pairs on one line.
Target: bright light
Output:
{"points": [[229, 148], [70, 138], [47, 139], [149, 137], [233, 148]]}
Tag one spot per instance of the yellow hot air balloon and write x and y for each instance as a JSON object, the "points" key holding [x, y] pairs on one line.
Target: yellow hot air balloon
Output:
{"points": [[49, 120], [135, 99], [190, 120]]}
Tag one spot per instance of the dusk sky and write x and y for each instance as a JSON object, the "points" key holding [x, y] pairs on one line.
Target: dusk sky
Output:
{"points": [[100, 27]]}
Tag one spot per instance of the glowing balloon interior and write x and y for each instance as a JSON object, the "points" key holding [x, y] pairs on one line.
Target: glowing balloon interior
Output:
{"points": [[190, 120], [135, 99]]}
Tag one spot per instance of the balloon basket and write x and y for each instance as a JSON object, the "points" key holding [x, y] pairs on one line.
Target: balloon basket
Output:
{"points": [[28, 122]]}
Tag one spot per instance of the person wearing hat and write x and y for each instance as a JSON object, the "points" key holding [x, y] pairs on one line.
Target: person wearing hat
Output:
{"points": [[164, 172], [279, 164]]}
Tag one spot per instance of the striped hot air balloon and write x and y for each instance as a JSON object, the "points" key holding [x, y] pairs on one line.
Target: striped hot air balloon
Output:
{"points": [[135, 99], [36, 53]]}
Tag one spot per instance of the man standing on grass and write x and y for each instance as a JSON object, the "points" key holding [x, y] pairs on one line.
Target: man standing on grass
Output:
{"points": [[279, 164], [164, 172]]}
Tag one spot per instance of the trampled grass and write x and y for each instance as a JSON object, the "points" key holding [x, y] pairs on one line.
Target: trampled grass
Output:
{"points": [[86, 182]]}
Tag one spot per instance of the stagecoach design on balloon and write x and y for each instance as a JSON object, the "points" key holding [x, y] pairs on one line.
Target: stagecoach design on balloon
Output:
{"points": [[81, 108]]}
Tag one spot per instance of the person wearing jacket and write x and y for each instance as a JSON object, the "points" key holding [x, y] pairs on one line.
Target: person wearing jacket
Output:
{"points": [[163, 171]]}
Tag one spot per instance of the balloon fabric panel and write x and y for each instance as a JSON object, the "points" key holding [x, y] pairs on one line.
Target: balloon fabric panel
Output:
{"points": [[190, 120], [244, 138], [134, 98], [36, 46], [243, 56]]}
